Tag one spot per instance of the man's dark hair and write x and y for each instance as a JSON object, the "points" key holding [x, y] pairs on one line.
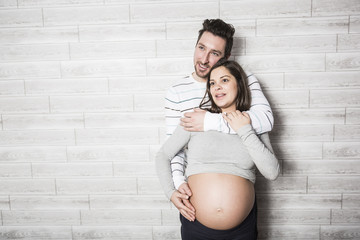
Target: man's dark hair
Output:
{"points": [[219, 28]]}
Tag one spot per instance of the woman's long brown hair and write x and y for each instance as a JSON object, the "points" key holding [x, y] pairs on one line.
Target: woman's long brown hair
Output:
{"points": [[243, 98]]}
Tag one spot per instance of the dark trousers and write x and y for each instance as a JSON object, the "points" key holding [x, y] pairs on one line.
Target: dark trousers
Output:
{"points": [[247, 230]]}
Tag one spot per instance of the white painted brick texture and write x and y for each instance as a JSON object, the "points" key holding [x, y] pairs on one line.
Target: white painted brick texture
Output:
{"points": [[81, 113]]}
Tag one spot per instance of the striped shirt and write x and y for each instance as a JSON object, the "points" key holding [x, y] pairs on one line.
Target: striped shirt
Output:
{"points": [[186, 94]]}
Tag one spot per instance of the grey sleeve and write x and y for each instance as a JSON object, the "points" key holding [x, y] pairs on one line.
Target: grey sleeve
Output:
{"points": [[261, 152], [169, 149]]}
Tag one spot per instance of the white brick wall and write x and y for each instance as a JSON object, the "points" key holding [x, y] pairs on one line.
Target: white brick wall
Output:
{"points": [[81, 89]]}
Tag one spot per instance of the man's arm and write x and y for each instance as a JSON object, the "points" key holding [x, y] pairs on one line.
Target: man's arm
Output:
{"points": [[172, 120], [261, 116]]}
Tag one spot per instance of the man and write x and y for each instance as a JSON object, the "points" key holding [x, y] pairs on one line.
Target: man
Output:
{"points": [[214, 42]]}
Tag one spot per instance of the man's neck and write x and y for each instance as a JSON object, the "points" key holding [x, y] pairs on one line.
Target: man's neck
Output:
{"points": [[197, 78]]}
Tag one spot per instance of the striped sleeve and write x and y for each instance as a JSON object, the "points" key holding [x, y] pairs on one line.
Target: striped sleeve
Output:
{"points": [[262, 119], [172, 120]]}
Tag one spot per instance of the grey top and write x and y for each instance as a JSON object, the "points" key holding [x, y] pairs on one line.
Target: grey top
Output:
{"points": [[216, 152]]}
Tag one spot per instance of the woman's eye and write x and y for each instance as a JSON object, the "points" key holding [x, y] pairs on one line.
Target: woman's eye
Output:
{"points": [[211, 83], [225, 80]]}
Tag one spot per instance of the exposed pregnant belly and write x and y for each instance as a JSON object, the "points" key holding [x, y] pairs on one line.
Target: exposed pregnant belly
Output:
{"points": [[221, 201]]}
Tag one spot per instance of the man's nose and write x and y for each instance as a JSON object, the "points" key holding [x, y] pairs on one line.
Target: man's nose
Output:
{"points": [[205, 57]]}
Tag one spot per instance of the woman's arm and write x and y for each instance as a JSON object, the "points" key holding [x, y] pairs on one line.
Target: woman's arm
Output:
{"points": [[259, 149]]}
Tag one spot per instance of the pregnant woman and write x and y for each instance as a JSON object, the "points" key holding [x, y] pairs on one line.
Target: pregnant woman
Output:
{"points": [[221, 167]]}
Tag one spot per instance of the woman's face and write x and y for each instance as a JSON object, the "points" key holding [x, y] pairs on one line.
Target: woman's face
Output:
{"points": [[223, 89]]}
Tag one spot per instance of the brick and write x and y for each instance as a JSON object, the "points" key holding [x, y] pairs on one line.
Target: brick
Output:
{"points": [[41, 218], [351, 201], [15, 170], [122, 32], [189, 30], [86, 15], [74, 86], [271, 80], [149, 102], [334, 98], [134, 169], [43, 121], [4, 203], [309, 116], [303, 133], [36, 232], [96, 186], [169, 66], [289, 232], [37, 137], [167, 12], [335, 7], [105, 68], [302, 26], [24, 105], [34, 52], [286, 217], [315, 167], [166, 232], [29, 70], [133, 153], [281, 185], [32, 3], [299, 201], [21, 18], [33, 154], [290, 44], [12, 87], [345, 216], [317, 80], [349, 133], [72, 169], [39, 35], [183, 48], [339, 232], [149, 186], [342, 61], [336, 184], [354, 24], [338, 150], [298, 150], [94, 103], [129, 136], [282, 63], [112, 232], [8, 3], [288, 99], [73, 202], [348, 42], [113, 50], [352, 116], [119, 120], [27, 186], [124, 217], [129, 202], [140, 84], [276, 8], [170, 217]]}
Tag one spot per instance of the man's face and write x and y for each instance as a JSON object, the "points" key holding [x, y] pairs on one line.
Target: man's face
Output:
{"points": [[208, 51]]}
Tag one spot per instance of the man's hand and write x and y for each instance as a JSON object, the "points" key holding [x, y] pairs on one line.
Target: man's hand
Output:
{"points": [[194, 121], [182, 203], [237, 119]]}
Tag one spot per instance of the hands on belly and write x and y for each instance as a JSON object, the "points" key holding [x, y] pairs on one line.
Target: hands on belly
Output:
{"points": [[181, 201]]}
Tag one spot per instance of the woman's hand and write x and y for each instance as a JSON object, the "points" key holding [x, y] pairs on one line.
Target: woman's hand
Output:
{"points": [[182, 203], [237, 119]]}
